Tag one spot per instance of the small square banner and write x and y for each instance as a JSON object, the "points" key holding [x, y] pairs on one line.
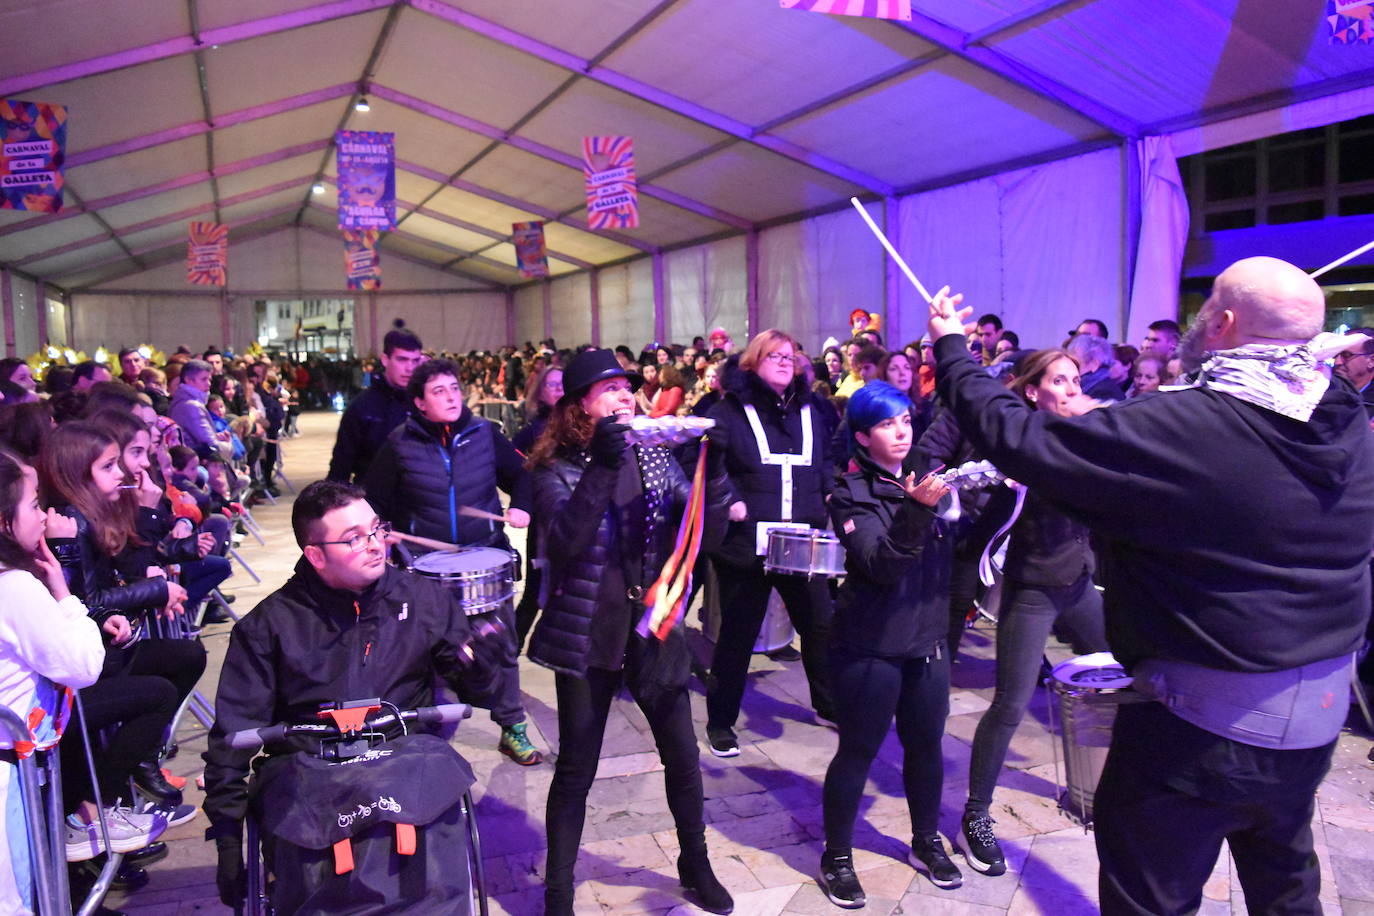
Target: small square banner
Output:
{"points": [[608, 163], [530, 252], [207, 254]]}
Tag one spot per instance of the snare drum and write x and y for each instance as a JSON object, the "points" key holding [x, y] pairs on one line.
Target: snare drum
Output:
{"points": [[1088, 689], [804, 553], [483, 577]]}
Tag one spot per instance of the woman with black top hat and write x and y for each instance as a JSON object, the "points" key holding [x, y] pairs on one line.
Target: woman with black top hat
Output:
{"points": [[774, 434], [608, 516], [888, 657]]}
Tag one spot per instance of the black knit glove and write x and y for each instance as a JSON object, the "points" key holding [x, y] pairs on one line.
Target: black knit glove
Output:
{"points": [[608, 443]]}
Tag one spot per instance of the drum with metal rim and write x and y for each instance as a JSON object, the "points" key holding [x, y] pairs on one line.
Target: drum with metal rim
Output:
{"points": [[804, 553], [1088, 689], [483, 577]]}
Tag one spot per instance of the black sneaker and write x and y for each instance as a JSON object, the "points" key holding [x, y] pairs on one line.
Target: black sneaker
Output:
{"points": [[928, 855], [723, 741], [840, 884], [981, 849]]}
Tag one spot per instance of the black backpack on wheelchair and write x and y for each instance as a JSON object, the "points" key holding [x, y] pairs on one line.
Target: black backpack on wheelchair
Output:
{"points": [[384, 830]]}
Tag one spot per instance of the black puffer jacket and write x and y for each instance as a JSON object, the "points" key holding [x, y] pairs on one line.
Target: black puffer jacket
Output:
{"points": [[425, 473], [760, 485], [364, 428], [894, 601], [90, 574], [307, 644], [591, 523]]}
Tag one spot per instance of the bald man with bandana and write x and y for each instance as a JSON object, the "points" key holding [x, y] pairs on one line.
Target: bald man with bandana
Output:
{"points": [[1237, 518]]}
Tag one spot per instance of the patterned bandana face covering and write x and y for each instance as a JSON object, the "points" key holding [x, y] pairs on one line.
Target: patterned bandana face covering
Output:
{"points": [[1289, 379]]}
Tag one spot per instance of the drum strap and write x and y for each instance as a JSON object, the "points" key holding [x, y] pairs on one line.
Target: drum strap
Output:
{"points": [[785, 460], [986, 571]]}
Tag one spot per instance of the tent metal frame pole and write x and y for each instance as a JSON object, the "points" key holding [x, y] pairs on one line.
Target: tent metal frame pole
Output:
{"points": [[594, 294], [510, 317], [164, 220], [372, 321], [41, 294], [493, 234], [546, 304], [172, 184], [751, 268], [226, 323], [164, 246], [402, 234], [7, 302], [660, 296], [1132, 214]]}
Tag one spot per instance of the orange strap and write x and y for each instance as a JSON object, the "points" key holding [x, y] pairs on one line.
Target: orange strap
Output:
{"points": [[343, 856], [405, 839]]}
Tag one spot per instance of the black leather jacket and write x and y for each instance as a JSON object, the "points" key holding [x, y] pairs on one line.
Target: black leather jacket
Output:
{"points": [[591, 525], [91, 575]]}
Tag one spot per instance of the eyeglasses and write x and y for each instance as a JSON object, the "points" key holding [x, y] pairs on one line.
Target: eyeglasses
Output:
{"points": [[1349, 356], [780, 357], [358, 543]]}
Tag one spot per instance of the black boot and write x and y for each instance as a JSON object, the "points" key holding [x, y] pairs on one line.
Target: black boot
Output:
{"points": [[150, 781], [558, 901], [694, 869]]}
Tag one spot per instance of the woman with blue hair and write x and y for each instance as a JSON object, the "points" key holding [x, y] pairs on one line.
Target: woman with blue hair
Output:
{"points": [[888, 657]]}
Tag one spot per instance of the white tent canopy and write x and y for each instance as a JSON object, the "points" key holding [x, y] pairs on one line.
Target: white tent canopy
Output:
{"points": [[1021, 150]]}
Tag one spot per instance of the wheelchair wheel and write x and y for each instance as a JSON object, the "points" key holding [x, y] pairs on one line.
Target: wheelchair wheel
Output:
{"points": [[477, 895]]}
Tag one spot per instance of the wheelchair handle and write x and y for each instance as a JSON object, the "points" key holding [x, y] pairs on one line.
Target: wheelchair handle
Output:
{"points": [[253, 738]]}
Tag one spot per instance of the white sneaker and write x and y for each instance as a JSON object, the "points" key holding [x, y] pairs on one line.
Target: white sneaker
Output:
{"points": [[128, 830]]}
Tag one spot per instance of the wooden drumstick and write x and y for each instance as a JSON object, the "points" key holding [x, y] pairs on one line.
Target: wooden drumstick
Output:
{"points": [[427, 542], [474, 512]]}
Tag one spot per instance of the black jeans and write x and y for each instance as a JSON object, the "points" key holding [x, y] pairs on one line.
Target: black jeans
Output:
{"points": [[1024, 624], [1171, 792], [869, 692], [583, 705], [504, 700], [963, 592], [743, 604]]}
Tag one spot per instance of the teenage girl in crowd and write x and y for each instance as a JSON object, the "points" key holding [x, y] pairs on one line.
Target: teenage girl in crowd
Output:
{"points": [[888, 657], [608, 516]]}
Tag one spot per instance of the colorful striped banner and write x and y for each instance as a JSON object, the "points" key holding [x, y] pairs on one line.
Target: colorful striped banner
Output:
{"points": [[207, 254], [362, 262], [1350, 21], [872, 9], [608, 163], [531, 253]]}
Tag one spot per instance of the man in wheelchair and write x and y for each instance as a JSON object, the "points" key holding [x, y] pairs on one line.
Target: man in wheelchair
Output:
{"points": [[346, 625]]}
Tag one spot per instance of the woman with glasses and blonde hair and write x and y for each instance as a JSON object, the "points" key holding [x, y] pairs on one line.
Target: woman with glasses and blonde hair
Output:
{"points": [[774, 434]]}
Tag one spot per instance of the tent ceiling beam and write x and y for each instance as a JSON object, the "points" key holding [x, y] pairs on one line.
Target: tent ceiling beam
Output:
{"points": [[196, 128], [168, 218], [420, 239], [204, 86], [516, 203], [173, 255], [100, 221], [388, 25], [1031, 15], [172, 184], [489, 233], [547, 152], [957, 43], [1272, 101], [648, 93], [487, 285], [554, 96], [189, 44]]}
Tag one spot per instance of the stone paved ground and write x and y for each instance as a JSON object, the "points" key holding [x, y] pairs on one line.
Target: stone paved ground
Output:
{"points": [[764, 805]]}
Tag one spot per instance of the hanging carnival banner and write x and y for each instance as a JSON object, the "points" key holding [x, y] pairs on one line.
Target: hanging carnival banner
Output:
{"points": [[530, 253], [1350, 21], [366, 162], [872, 9], [612, 193], [33, 142], [207, 254], [362, 262]]}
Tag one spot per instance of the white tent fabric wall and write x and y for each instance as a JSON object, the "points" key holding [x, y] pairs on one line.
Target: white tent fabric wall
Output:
{"points": [[529, 314], [57, 322], [813, 273], [707, 286], [627, 304], [457, 322], [1163, 237], [570, 302], [1041, 247], [24, 299], [115, 321]]}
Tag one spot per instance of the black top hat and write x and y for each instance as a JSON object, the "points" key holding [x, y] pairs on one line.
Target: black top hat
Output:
{"points": [[591, 366]]}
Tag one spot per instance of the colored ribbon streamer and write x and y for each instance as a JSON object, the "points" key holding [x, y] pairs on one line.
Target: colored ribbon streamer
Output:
{"points": [[666, 600]]}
